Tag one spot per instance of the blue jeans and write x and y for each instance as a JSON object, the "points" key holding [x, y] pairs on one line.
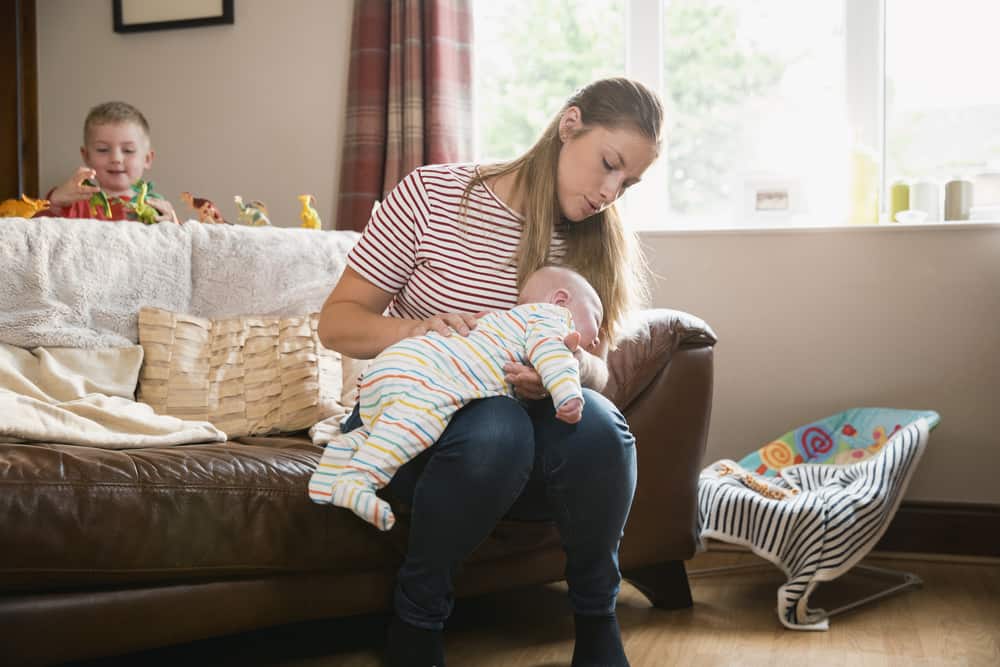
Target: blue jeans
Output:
{"points": [[500, 458]]}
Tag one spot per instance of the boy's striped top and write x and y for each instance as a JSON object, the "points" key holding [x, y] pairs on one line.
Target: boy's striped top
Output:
{"points": [[436, 255]]}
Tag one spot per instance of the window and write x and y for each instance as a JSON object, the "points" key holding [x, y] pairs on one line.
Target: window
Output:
{"points": [[779, 112], [530, 56], [943, 96]]}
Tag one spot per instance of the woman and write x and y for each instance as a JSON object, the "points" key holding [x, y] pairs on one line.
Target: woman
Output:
{"points": [[453, 240]]}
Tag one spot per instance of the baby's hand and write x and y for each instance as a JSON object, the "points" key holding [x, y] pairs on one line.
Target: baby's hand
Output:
{"points": [[73, 190], [571, 411]]}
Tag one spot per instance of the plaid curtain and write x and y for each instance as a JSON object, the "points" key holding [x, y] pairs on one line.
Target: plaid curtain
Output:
{"points": [[409, 99]]}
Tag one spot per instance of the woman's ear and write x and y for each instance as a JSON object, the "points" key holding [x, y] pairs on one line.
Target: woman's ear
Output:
{"points": [[569, 123]]}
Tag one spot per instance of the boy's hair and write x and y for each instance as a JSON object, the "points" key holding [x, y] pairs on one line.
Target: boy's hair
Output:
{"points": [[111, 113]]}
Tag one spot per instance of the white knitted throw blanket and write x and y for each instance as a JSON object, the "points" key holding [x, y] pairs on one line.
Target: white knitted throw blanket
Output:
{"points": [[81, 283]]}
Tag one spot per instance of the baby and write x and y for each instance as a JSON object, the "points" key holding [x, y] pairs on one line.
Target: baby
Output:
{"points": [[410, 392]]}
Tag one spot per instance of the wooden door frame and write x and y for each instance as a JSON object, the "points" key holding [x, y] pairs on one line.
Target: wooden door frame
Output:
{"points": [[25, 90]]}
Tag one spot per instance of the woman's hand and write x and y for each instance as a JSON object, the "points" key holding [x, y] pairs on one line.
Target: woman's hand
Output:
{"points": [[526, 380], [164, 209], [444, 324], [73, 190]]}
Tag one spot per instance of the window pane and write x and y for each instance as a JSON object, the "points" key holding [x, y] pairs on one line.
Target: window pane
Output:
{"points": [[943, 94], [530, 56], [757, 123]]}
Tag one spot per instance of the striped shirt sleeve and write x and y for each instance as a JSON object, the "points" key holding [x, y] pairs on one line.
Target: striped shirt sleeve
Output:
{"points": [[547, 326], [386, 253]]}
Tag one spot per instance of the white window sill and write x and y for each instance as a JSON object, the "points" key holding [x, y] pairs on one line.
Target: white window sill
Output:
{"points": [[786, 228]]}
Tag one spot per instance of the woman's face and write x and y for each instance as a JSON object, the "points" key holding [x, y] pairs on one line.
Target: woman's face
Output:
{"points": [[597, 165]]}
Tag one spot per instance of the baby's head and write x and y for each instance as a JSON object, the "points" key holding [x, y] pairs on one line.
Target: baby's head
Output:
{"points": [[116, 145], [567, 288]]}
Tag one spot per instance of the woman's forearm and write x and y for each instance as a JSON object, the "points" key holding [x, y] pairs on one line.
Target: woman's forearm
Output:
{"points": [[351, 329]]}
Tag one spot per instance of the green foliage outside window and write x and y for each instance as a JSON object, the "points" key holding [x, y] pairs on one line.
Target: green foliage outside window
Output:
{"points": [[532, 55]]}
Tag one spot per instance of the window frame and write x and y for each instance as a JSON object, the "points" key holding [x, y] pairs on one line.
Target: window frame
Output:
{"points": [[865, 87]]}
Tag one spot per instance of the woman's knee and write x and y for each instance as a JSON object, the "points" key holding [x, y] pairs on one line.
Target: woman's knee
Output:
{"points": [[491, 435], [602, 434]]}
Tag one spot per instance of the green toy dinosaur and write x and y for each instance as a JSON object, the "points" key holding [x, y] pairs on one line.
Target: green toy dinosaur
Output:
{"points": [[144, 213], [98, 199]]}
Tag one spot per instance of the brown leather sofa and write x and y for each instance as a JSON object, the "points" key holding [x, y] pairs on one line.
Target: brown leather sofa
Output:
{"points": [[105, 552]]}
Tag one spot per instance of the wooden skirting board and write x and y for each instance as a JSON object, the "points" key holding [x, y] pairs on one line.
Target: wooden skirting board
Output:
{"points": [[961, 529], [940, 531]]}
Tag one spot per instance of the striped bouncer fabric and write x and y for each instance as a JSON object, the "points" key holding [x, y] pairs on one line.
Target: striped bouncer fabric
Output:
{"points": [[819, 506]]}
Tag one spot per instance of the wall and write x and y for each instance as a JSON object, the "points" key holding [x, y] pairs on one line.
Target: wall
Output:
{"points": [[815, 321], [811, 321], [255, 108]]}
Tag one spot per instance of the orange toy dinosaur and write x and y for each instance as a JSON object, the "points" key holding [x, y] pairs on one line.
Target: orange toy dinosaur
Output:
{"points": [[25, 207], [207, 211]]}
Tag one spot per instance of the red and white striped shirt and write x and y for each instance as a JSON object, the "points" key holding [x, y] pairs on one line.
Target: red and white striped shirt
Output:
{"points": [[436, 258]]}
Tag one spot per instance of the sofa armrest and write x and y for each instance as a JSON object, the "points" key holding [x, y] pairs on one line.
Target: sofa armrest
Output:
{"points": [[647, 349], [661, 379]]}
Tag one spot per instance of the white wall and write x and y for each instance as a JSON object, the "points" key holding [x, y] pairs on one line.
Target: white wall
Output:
{"points": [[815, 321], [811, 322], [255, 108]]}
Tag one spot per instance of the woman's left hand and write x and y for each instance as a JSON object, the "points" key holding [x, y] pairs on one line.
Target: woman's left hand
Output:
{"points": [[526, 380]]}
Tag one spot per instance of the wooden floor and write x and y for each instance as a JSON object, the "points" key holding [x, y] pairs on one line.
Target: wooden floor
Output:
{"points": [[954, 619]]}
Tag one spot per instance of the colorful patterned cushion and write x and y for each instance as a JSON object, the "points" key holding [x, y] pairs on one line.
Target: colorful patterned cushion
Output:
{"points": [[846, 437]]}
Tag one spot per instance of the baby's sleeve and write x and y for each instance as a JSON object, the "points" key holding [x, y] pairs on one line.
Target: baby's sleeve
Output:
{"points": [[546, 329]]}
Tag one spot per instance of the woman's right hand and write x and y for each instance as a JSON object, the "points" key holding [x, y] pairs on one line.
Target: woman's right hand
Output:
{"points": [[73, 190], [444, 324]]}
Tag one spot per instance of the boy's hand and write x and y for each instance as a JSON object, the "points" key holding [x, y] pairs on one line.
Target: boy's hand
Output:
{"points": [[73, 190], [164, 208], [571, 411]]}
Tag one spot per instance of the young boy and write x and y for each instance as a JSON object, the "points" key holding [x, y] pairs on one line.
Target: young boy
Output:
{"points": [[412, 389], [116, 152]]}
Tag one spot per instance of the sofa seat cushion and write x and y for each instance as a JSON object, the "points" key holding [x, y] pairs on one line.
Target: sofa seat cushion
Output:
{"points": [[79, 516]]}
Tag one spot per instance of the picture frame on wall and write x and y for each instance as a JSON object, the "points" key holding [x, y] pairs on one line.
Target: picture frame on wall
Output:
{"points": [[146, 15], [771, 198]]}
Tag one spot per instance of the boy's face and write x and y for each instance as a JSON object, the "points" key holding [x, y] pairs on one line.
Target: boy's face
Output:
{"points": [[119, 153]]}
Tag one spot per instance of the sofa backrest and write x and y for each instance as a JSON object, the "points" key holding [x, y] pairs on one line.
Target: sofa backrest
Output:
{"points": [[81, 283]]}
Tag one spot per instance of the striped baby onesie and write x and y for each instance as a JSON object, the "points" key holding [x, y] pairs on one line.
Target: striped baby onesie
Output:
{"points": [[412, 389]]}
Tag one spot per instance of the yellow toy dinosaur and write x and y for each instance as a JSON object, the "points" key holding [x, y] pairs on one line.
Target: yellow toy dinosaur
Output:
{"points": [[310, 218], [25, 207]]}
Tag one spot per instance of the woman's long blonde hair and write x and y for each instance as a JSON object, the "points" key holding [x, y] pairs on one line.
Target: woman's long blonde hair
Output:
{"points": [[600, 248]]}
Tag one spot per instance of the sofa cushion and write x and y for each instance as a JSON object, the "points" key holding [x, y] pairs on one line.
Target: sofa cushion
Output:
{"points": [[246, 375], [79, 516]]}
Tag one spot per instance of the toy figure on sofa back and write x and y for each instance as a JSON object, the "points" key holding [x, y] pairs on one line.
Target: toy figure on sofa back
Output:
{"points": [[25, 207], [253, 214], [310, 218], [207, 211], [116, 153], [138, 204]]}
